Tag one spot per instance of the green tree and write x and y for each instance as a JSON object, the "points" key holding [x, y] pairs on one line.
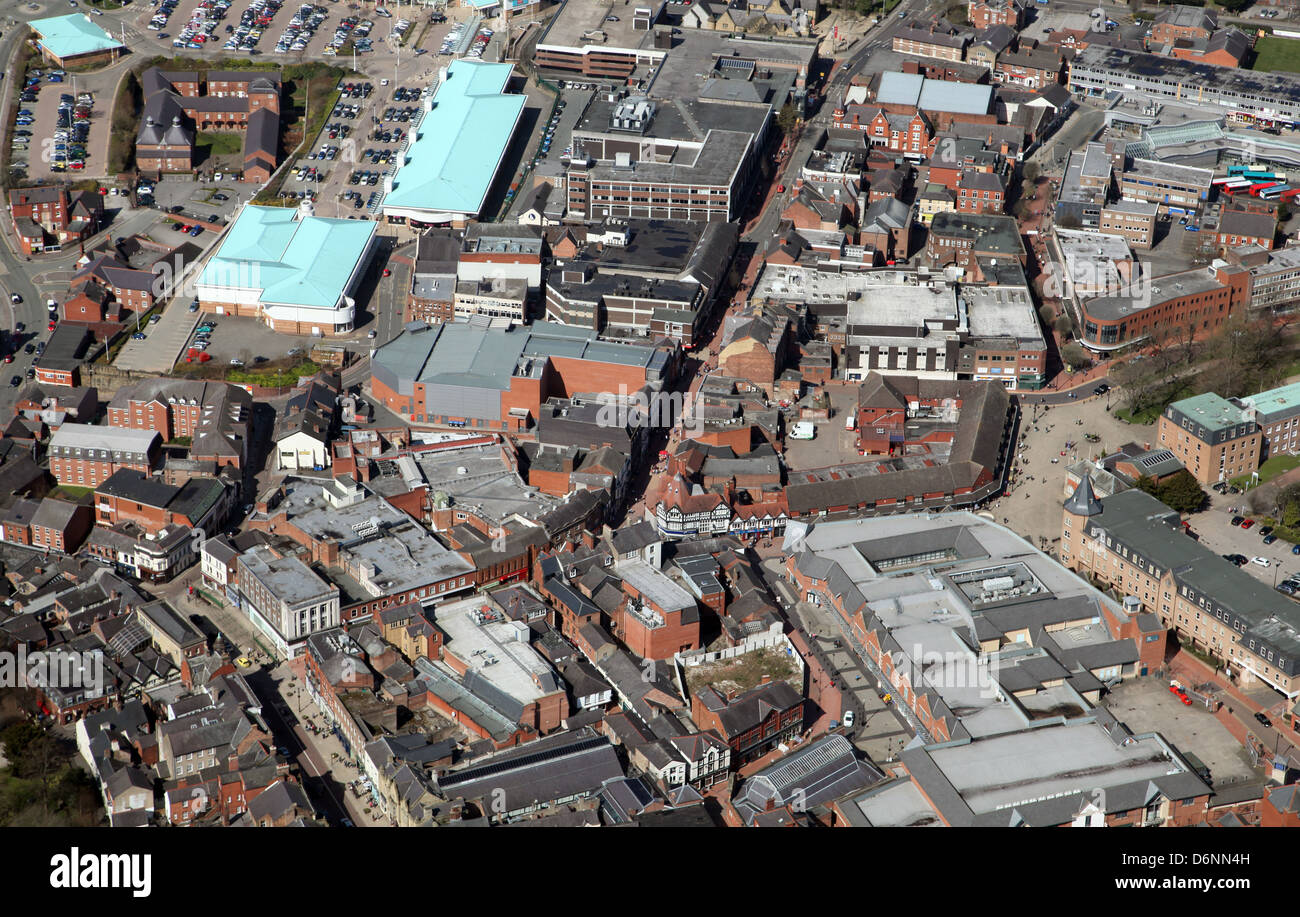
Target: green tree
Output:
{"points": [[787, 118], [1288, 505], [1075, 356], [1183, 493], [17, 737]]}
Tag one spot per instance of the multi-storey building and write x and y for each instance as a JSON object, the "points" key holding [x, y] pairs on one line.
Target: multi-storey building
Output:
{"points": [[963, 238], [1237, 227], [985, 13], [1175, 188], [46, 218], [981, 192], [752, 723], [215, 417], [1134, 220], [179, 104], [285, 599], [1277, 412], [1180, 21], [678, 159], [1265, 98], [1213, 438], [1199, 300], [130, 496], [84, 455], [931, 40], [433, 281], [1031, 68], [1134, 544], [578, 293], [1274, 276]]}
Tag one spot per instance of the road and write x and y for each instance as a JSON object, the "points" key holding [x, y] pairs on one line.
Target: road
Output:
{"points": [[882, 36]]}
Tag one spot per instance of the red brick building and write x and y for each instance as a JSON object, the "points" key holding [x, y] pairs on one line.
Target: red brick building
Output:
{"points": [[752, 723], [84, 455], [981, 192], [1237, 227], [58, 525], [48, 217], [659, 617], [214, 416], [984, 13]]}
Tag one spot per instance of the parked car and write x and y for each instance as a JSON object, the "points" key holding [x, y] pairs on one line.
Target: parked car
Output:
{"points": [[1238, 520], [1263, 720], [1260, 561]]}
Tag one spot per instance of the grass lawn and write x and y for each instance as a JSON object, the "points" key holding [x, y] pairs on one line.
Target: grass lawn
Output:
{"points": [[1278, 464], [71, 492], [1291, 369], [220, 143], [1277, 54], [1145, 416]]}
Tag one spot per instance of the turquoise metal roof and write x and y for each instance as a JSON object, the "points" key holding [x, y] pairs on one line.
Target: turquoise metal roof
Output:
{"points": [[459, 143], [298, 262], [69, 36]]}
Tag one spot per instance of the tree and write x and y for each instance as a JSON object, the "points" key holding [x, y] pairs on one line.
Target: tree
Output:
{"points": [[1288, 501], [1063, 326], [1030, 172], [787, 118], [1075, 356], [1183, 493]]}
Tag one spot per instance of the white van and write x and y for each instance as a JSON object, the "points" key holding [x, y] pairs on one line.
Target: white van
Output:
{"points": [[803, 430], [851, 422]]}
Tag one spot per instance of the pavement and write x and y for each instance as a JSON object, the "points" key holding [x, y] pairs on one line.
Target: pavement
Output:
{"points": [[1032, 503]]}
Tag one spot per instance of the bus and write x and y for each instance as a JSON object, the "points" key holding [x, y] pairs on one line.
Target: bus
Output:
{"points": [[1263, 176], [1252, 172], [1236, 184], [1256, 188], [1274, 193]]}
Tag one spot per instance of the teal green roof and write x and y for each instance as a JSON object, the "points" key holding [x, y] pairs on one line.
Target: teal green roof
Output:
{"points": [[459, 143], [297, 262], [1284, 399], [1211, 411], [69, 36]]}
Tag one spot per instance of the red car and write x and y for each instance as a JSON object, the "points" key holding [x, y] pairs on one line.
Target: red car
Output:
{"points": [[1185, 699], [1248, 523], [387, 272]]}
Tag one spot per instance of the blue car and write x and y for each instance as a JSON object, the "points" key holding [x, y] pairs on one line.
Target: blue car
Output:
{"points": [[1295, 549]]}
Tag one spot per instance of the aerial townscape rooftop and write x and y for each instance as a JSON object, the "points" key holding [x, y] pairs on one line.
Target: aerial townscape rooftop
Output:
{"points": [[556, 413]]}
